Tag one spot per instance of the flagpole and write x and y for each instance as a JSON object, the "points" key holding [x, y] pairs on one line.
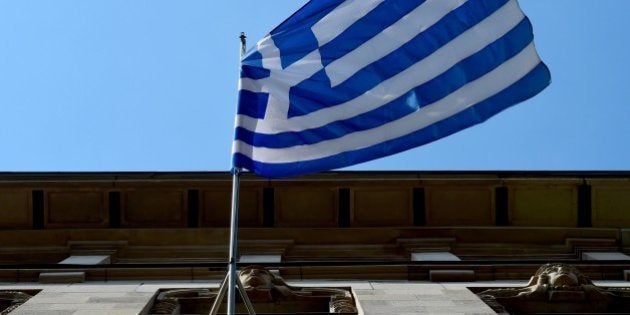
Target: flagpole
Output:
{"points": [[231, 305], [232, 281]]}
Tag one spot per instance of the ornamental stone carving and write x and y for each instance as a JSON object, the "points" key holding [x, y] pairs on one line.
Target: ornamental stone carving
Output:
{"points": [[268, 293], [10, 300], [558, 288]]}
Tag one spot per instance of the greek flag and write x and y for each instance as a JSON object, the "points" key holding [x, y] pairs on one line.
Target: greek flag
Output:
{"points": [[344, 82]]}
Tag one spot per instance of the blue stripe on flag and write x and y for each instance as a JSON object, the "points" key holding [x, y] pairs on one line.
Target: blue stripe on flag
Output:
{"points": [[459, 75], [256, 104], [317, 93], [525, 88]]}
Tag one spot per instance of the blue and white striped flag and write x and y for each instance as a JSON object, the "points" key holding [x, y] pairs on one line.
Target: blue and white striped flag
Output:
{"points": [[344, 82]]}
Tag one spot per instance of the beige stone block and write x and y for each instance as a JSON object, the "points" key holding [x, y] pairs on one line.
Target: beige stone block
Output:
{"points": [[85, 208], [253, 259], [460, 205], [114, 274], [434, 256], [154, 208], [306, 207], [9, 275], [62, 277], [354, 273], [373, 207], [216, 206], [605, 256], [546, 204], [87, 260], [625, 240], [15, 209], [610, 202]]}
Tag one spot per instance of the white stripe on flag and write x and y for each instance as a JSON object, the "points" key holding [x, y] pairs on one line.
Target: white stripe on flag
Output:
{"points": [[469, 95]]}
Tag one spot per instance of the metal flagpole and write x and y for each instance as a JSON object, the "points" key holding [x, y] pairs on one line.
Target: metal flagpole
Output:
{"points": [[231, 281], [231, 306]]}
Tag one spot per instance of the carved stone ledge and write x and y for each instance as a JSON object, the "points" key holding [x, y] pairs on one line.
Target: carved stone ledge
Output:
{"points": [[10, 300], [558, 288]]}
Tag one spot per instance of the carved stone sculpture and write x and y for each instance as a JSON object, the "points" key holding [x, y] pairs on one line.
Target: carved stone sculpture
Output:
{"points": [[268, 292], [263, 286], [10, 300], [558, 288], [168, 302]]}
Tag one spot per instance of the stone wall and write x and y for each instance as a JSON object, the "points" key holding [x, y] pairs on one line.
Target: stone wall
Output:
{"points": [[353, 199]]}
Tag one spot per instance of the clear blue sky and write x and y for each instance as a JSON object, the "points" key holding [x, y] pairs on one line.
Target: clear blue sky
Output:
{"points": [[151, 85]]}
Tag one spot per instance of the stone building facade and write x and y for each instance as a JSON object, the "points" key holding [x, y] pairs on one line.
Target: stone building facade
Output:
{"points": [[404, 231]]}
